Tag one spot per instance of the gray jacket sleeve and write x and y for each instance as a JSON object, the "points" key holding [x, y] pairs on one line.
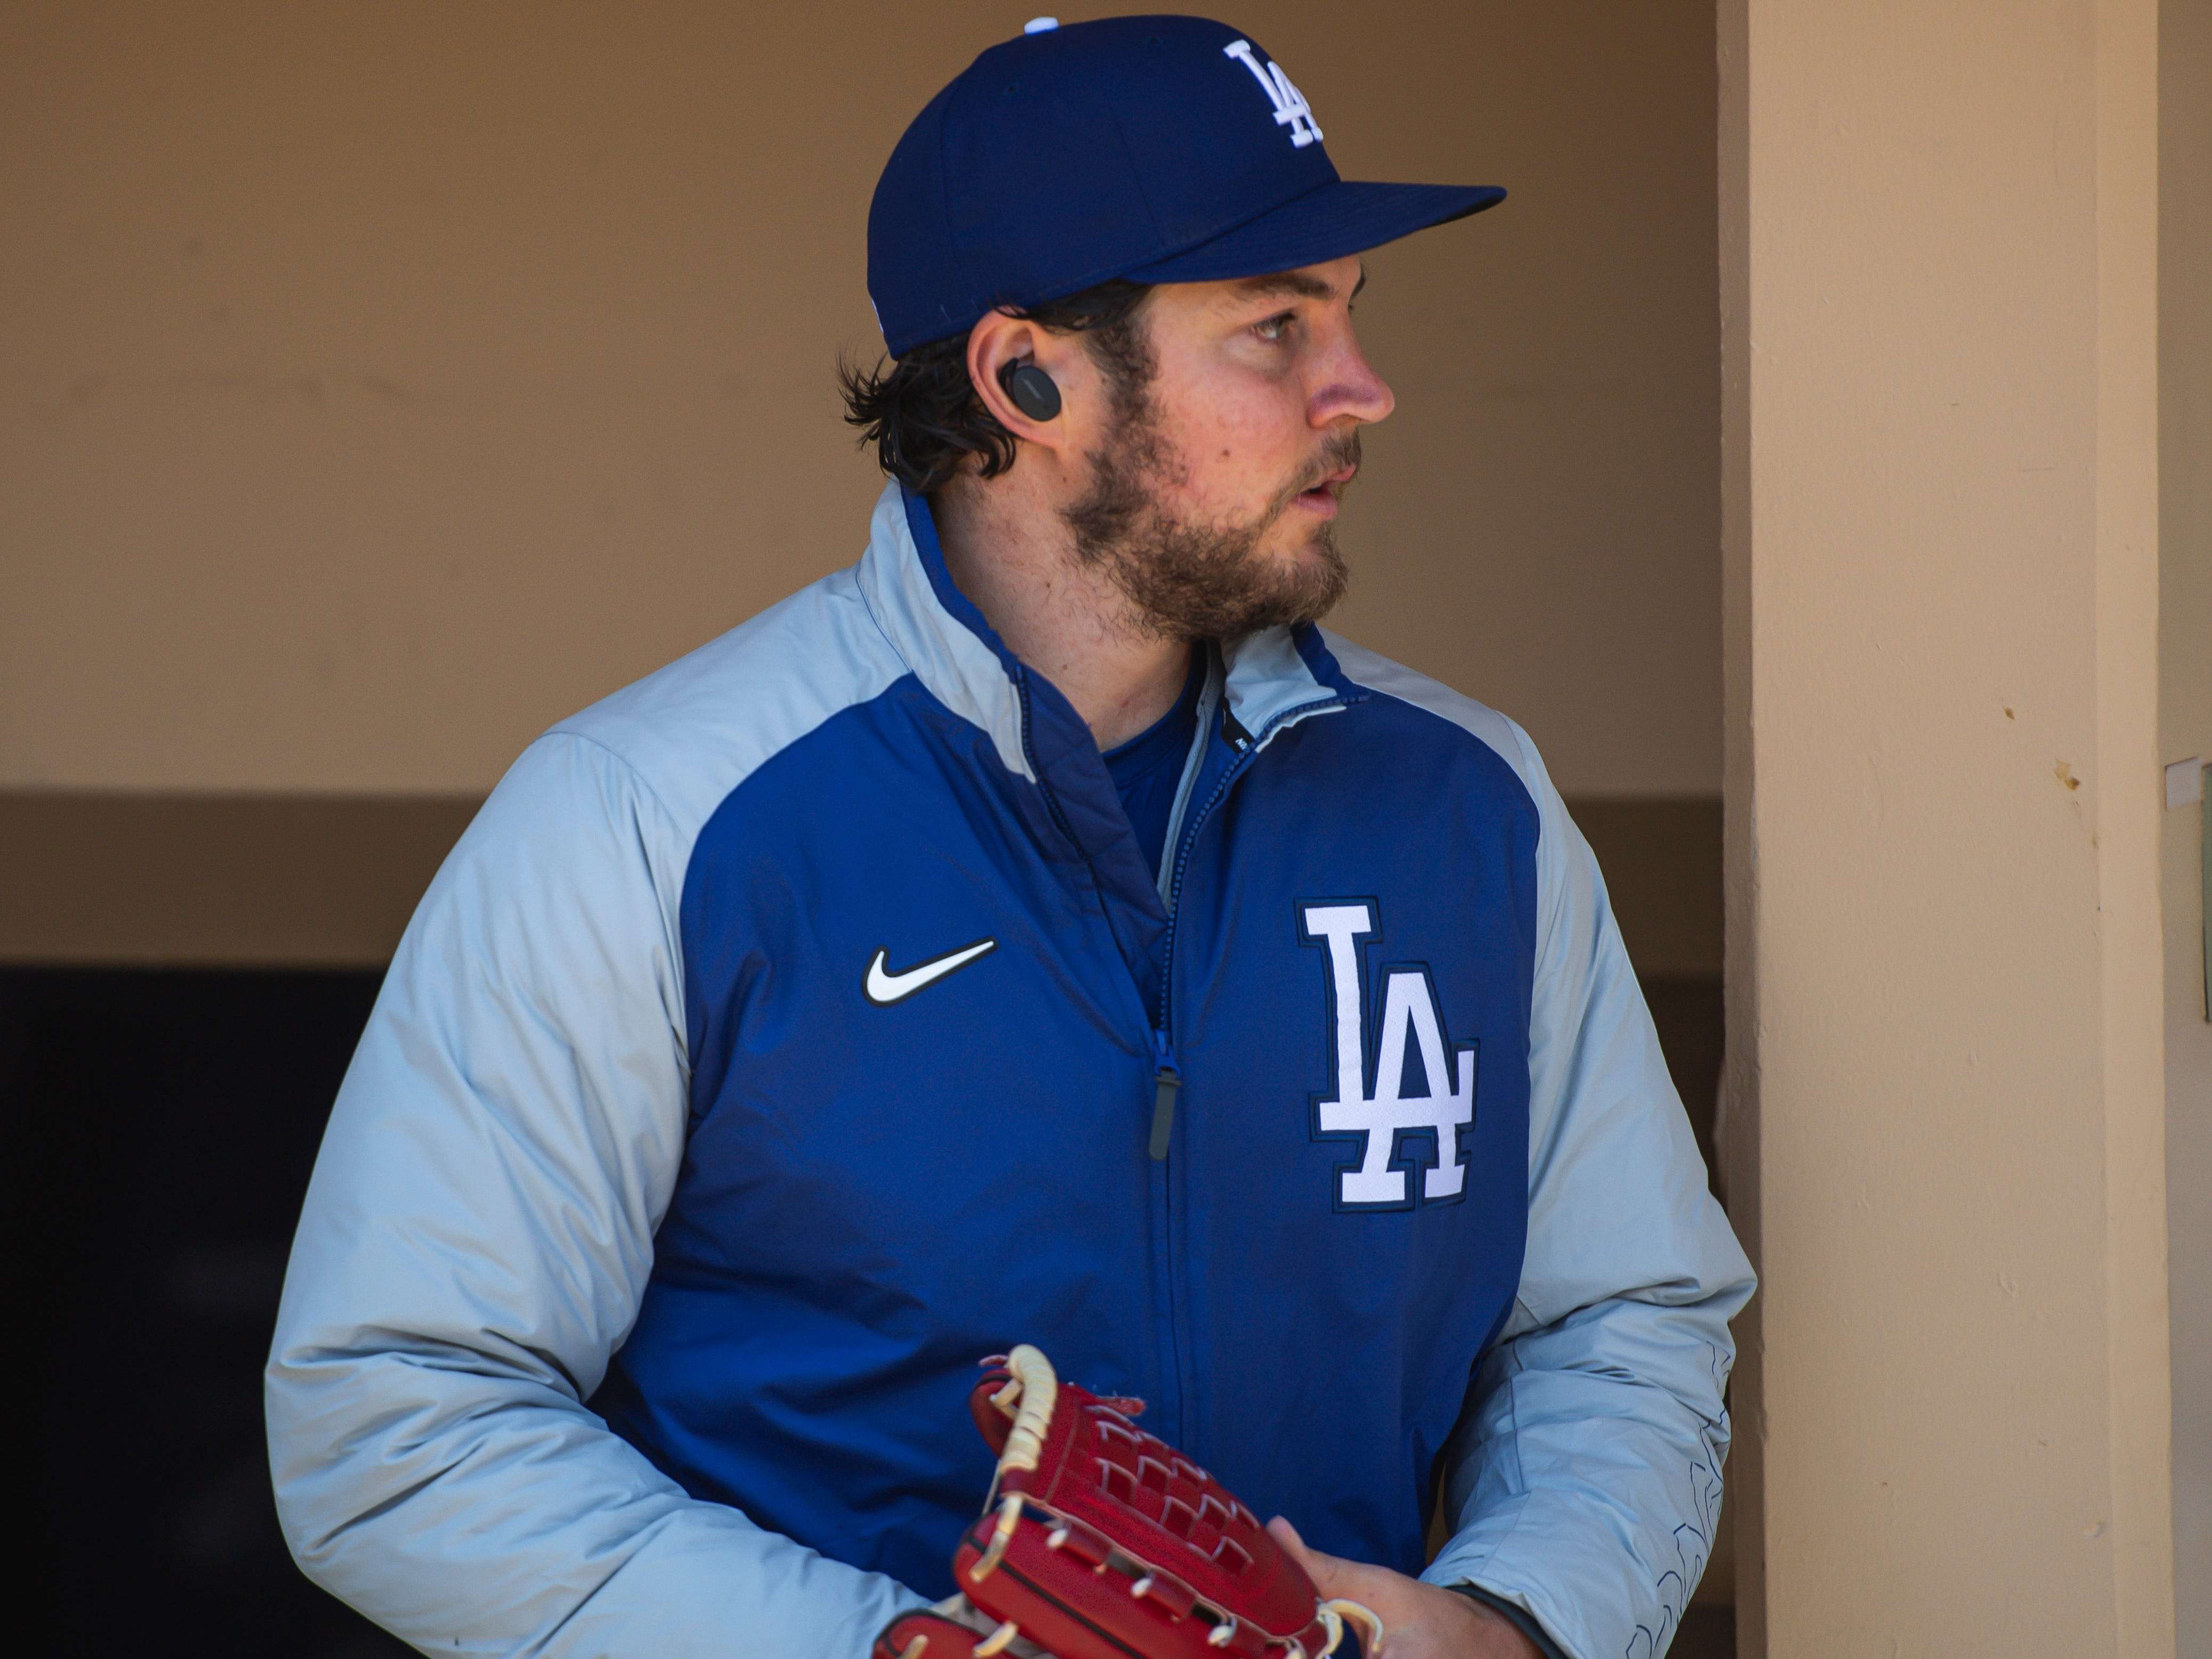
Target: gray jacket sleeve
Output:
{"points": [[475, 1242], [1585, 1480]]}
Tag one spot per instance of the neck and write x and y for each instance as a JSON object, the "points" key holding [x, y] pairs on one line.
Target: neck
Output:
{"points": [[1015, 560]]}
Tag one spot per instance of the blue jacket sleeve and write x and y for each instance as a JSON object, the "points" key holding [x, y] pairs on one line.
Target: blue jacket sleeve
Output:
{"points": [[476, 1239], [1585, 1481]]}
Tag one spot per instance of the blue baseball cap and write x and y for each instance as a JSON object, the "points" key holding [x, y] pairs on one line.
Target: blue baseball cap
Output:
{"points": [[1161, 149]]}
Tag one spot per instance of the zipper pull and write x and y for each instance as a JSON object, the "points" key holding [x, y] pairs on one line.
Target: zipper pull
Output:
{"points": [[1166, 1080]]}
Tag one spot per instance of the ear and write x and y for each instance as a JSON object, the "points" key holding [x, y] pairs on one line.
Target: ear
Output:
{"points": [[995, 346]]}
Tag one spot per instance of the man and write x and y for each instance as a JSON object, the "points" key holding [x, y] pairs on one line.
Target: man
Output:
{"points": [[1039, 931]]}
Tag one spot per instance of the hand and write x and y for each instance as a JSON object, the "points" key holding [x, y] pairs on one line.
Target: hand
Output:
{"points": [[1419, 1621]]}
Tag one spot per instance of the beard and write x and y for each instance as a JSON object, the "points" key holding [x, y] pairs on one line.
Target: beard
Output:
{"points": [[1186, 580]]}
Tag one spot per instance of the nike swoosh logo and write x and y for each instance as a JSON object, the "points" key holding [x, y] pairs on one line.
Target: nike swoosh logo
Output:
{"points": [[884, 988]]}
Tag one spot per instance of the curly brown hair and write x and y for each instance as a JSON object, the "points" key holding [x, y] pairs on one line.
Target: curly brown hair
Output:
{"points": [[921, 412]]}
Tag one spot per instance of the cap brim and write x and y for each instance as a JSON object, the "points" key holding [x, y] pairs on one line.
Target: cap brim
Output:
{"points": [[1327, 223]]}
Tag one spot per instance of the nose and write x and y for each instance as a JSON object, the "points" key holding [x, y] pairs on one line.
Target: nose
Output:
{"points": [[1351, 387]]}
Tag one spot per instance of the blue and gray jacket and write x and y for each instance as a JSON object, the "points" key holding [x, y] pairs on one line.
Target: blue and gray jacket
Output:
{"points": [[802, 1023]]}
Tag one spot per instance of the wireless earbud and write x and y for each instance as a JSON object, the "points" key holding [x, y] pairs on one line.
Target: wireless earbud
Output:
{"points": [[1032, 390]]}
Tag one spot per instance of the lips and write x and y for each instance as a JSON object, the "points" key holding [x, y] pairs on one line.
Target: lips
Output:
{"points": [[1322, 499]]}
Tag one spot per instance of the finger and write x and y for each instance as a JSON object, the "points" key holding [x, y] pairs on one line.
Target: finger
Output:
{"points": [[1320, 1567]]}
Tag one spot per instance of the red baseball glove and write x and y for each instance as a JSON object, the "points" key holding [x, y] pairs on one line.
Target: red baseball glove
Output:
{"points": [[1103, 1542]]}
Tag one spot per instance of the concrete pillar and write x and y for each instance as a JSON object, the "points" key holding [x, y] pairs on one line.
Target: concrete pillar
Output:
{"points": [[1940, 506]]}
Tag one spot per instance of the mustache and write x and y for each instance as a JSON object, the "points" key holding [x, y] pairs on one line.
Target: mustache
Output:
{"points": [[1336, 454]]}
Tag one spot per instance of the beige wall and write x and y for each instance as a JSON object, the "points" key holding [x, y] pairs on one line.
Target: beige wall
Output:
{"points": [[379, 383], [1947, 1092], [2185, 664]]}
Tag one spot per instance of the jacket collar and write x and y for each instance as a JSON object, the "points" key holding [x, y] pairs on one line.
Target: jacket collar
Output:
{"points": [[937, 633], [959, 657]]}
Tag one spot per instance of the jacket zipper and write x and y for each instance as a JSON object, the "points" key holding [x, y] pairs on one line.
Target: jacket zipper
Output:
{"points": [[1167, 1076], [1167, 1079]]}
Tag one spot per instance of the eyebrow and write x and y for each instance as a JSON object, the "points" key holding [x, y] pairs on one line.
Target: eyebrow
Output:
{"points": [[1298, 284]]}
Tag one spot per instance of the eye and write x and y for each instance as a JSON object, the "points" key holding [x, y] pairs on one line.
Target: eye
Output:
{"points": [[1276, 328]]}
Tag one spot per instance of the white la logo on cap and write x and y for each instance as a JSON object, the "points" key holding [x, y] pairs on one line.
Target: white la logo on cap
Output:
{"points": [[1292, 109]]}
